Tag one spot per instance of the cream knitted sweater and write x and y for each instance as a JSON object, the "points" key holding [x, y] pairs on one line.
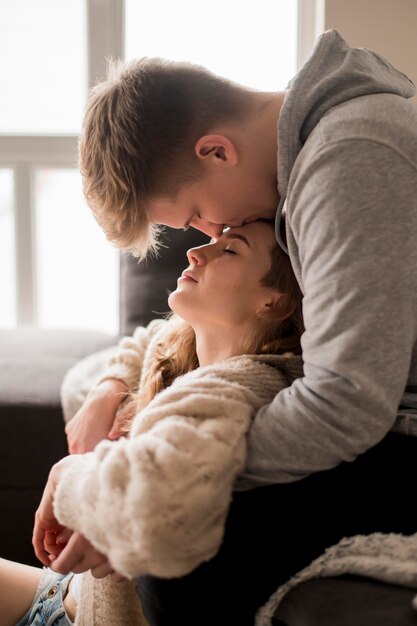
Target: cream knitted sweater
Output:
{"points": [[156, 503]]}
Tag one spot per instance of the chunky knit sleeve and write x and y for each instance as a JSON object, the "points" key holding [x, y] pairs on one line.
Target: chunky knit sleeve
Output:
{"points": [[156, 503], [126, 362]]}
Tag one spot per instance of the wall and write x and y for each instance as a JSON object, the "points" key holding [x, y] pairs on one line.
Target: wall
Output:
{"points": [[385, 26]]}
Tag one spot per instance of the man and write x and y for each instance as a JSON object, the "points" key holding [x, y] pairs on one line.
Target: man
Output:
{"points": [[172, 144]]}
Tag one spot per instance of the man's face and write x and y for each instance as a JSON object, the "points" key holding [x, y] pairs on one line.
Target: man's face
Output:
{"points": [[209, 205]]}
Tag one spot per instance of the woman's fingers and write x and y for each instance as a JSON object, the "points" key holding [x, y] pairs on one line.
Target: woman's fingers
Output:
{"points": [[50, 543], [43, 541], [117, 578], [46, 525], [38, 546], [71, 556], [78, 556], [63, 537], [102, 570]]}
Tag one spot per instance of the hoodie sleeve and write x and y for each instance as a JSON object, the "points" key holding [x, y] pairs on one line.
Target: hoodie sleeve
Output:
{"points": [[157, 503], [352, 221]]}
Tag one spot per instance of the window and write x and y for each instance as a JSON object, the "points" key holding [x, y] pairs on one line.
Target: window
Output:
{"points": [[68, 232], [56, 267], [43, 62], [256, 47]]}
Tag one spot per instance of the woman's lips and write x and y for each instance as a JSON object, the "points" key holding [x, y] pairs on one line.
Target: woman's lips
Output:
{"points": [[189, 276]]}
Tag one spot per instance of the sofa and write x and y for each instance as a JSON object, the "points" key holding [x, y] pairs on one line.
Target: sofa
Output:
{"points": [[33, 363]]}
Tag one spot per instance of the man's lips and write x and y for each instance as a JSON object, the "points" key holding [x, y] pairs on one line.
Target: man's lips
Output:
{"points": [[189, 275], [236, 225]]}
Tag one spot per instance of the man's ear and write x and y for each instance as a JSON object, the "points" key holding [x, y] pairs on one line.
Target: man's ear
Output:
{"points": [[216, 149]]}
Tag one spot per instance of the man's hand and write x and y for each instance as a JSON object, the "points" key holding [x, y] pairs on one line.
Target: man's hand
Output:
{"points": [[79, 555], [49, 536], [94, 420], [123, 421]]}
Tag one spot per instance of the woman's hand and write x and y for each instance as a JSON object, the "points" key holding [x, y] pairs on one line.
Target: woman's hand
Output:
{"points": [[49, 536], [94, 420], [78, 556], [60, 548]]}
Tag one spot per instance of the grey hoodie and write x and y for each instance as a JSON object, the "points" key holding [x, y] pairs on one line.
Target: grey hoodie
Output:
{"points": [[347, 175]]}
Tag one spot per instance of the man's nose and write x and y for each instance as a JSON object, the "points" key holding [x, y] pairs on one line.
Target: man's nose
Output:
{"points": [[208, 228]]}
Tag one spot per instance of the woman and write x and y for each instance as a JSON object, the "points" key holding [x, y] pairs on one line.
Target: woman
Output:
{"points": [[156, 503]]}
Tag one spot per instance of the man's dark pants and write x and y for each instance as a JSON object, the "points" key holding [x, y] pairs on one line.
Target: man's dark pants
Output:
{"points": [[272, 532]]}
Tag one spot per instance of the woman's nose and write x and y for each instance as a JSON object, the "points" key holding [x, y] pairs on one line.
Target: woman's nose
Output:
{"points": [[195, 256]]}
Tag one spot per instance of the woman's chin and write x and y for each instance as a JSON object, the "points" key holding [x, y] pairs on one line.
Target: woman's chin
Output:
{"points": [[172, 300], [177, 305]]}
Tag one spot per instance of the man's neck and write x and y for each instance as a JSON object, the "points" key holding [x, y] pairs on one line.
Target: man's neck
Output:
{"points": [[264, 129]]}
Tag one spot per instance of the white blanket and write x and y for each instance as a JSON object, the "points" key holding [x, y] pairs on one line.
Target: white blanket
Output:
{"points": [[391, 558]]}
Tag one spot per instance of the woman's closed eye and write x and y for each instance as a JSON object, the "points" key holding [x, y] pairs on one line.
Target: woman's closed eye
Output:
{"points": [[229, 251]]}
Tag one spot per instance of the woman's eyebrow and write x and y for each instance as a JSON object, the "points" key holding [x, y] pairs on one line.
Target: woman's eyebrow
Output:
{"points": [[237, 236]]}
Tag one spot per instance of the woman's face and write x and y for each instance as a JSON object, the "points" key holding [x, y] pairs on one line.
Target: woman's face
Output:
{"points": [[222, 285]]}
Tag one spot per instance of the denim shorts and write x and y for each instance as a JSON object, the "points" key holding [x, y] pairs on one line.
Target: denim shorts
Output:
{"points": [[48, 605]]}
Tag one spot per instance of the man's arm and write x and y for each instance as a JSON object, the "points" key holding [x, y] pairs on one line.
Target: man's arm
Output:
{"points": [[353, 216], [94, 420]]}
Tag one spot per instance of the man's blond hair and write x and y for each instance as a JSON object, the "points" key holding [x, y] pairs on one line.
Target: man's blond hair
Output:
{"points": [[138, 138]]}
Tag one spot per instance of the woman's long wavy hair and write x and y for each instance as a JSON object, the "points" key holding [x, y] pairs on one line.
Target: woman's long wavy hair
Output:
{"points": [[277, 331]]}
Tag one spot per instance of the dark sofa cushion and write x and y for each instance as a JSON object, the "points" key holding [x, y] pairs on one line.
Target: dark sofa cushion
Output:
{"points": [[32, 365], [346, 601]]}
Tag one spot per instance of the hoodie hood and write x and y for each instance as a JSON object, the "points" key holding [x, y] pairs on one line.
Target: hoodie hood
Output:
{"points": [[334, 73]]}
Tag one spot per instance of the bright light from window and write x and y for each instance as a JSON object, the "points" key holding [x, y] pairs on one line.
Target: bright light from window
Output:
{"points": [[78, 270], [253, 43], [7, 251], [43, 71], [43, 65]]}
